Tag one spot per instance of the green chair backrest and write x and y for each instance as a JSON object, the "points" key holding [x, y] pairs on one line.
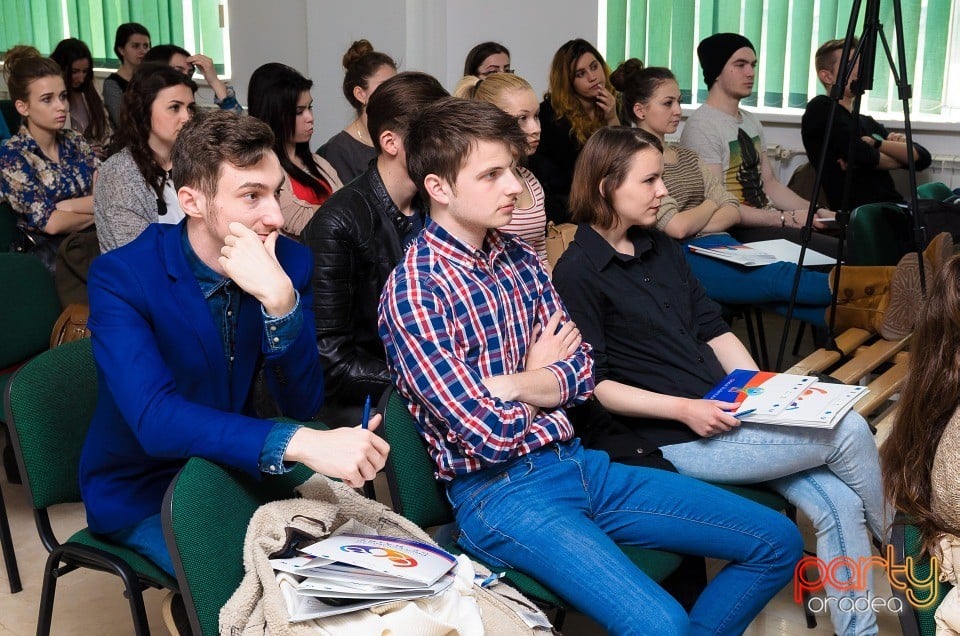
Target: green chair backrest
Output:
{"points": [[49, 404], [913, 545], [205, 514], [30, 307], [416, 494], [8, 226], [934, 190], [875, 233]]}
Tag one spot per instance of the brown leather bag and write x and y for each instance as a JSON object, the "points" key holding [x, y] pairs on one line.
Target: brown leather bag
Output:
{"points": [[558, 238], [71, 325]]}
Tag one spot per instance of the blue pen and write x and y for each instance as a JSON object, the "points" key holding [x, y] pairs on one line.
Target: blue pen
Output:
{"points": [[742, 415], [366, 414]]}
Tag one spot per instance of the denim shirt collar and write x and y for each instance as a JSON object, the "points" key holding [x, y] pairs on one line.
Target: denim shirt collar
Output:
{"points": [[209, 280]]}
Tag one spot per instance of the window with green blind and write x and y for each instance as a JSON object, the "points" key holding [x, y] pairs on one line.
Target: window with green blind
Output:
{"points": [[196, 25], [786, 34]]}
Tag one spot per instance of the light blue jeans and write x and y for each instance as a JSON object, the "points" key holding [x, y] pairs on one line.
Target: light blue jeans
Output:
{"points": [[558, 514], [831, 475]]}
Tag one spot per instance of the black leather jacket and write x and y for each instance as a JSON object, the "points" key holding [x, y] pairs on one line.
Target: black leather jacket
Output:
{"points": [[357, 239]]}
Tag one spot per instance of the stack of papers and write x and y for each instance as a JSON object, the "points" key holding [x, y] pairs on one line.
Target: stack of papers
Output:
{"points": [[765, 397], [739, 254], [348, 572]]}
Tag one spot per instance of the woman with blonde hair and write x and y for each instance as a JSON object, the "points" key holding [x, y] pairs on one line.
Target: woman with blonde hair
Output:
{"points": [[514, 96], [580, 101], [351, 150], [48, 172]]}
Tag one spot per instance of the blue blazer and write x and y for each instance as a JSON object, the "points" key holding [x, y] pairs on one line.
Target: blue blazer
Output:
{"points": [[165, 393]]}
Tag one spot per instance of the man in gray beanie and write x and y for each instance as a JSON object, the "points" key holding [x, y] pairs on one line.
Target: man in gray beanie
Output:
{"points": [[731, 143]]}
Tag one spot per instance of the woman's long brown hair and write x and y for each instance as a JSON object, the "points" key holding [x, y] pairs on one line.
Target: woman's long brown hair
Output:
{"points": [[929, 397]]}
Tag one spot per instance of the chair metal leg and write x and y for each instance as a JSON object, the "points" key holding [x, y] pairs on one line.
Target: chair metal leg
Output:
{"points": [[47, 594], [134, 594], [6, 546], [764, 360]]}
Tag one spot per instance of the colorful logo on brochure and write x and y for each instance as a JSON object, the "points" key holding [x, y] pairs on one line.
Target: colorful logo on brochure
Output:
{"points": [[397, 558]]}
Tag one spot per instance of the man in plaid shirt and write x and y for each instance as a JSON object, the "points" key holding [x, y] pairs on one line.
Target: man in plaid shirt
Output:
{"points": [[482, 349]]}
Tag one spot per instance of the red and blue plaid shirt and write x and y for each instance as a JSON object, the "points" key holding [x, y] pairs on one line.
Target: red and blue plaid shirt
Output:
{"points": [[451, 315]]}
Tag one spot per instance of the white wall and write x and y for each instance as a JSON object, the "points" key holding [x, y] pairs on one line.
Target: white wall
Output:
{"points": [[434, 36]]}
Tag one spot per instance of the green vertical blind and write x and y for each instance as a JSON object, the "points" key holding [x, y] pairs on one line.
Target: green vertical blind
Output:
{"points": [[786, 34], [192, 24]]}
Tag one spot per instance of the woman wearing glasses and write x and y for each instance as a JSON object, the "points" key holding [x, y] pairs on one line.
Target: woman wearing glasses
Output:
{"points": [[134, 189]]}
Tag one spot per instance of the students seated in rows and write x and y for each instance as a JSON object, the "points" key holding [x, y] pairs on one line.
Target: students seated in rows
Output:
{"points": [[730, 141], [280, 96], [88, 115], [182, 318], [921, 457], [514, 96], [179, 58], [876, 150], [46, 172], [352, 149], [130, 44], [698, 209], [487, 58], [580, 101], [484, 353], [660, 345], [357, 238], [135, 187]]}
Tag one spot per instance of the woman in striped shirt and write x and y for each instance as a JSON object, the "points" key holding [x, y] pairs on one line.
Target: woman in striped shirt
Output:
{"points": [[514, 96]]}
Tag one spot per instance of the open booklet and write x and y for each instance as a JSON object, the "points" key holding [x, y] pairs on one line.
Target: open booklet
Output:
{"points": [[765, 397], [739, 254], [349, 571], [761, 253]]}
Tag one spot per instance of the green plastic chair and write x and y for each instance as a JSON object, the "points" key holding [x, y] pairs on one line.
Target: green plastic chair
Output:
{"points": [[874, 230], [420, 498], [934, 190], [30, 309], [907, 542], [49, 404], [205, 515]]}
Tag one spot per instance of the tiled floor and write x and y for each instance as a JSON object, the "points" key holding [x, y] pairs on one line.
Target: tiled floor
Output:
{"points": [[92, 603]]}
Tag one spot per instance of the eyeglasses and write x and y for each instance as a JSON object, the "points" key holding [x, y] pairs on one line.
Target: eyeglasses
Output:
{"points": [[495, 69]]}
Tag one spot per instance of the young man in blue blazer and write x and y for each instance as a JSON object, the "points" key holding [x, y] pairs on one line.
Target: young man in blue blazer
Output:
{"points": [[182, 318]]}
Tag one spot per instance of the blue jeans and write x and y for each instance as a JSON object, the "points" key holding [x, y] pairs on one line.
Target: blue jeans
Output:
{"points": [[559, 513], [769, 286], [831, 475], [146, 538]]}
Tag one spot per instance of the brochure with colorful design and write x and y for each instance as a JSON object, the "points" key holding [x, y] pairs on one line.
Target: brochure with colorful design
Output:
{"points": [[738, 254], [347, 572], [764, 397]]}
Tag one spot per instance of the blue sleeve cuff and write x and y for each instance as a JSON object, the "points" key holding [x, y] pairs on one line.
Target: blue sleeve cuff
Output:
{"points": [[275, 447], [229, 102], [281, 332]]}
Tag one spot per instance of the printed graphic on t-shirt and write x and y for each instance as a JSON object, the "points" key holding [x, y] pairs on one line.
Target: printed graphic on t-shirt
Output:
{"points": [[743, 174]]}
